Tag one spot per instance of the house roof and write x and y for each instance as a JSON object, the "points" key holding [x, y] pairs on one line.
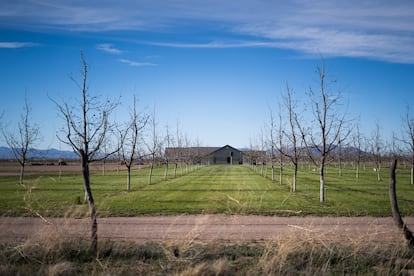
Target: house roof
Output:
{"points": [[177, 152], [225, 147], [188, 151]]}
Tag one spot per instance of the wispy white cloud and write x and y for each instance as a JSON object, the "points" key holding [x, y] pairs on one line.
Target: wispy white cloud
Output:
{"points": [[14, 45], [381, 29], [330, 42], [218, 44], [108, 48], [136, 63]]}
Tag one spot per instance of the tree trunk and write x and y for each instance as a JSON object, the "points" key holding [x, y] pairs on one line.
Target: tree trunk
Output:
{"points": [[150, 173], [357, 171], [104, 167], [340, 166], [92, 209], [394, 207], [175, 170], [273, 173], [128, 178], [166, 171], [378, 172], [412, 174], [60, 171], [295, 174], [280, 174], [322, 184], [21, 174]]}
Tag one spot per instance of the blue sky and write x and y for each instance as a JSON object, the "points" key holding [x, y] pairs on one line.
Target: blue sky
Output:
{"points": [[215, 67]]}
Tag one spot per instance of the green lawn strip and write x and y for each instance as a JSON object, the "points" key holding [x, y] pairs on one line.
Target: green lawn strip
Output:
{"points": [[210, 189]]}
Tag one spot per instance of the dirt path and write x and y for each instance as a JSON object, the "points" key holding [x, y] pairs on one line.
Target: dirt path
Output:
{"points": [[208, 228]]}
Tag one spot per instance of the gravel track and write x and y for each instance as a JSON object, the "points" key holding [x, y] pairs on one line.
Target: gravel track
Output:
{"points": [[208, 228]]}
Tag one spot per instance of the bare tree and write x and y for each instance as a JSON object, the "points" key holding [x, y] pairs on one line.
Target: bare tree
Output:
{"points": [[280, 146], [179, 150], [292, 135], [272, 144], [198, 154], [87, 129], [168, 140], [408, 139], [376, 147], [394, 207], [340, 142], [27, 137], [105, 148], [154, 145], [129, 141], [329, 124], [262, 149], [187, 153], [254, 154], [358, 146]]}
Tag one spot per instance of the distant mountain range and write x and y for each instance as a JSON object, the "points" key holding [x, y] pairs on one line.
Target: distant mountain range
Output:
{"points": [[55, 154], [48, 154]]}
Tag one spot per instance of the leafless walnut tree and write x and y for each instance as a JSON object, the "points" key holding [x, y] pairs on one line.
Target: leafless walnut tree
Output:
{"points": [[154, 145], [394, 207], [376, 148], [179, 153], [87, 129], [408, 140], [328, 123], [357, 140], [272, 143], [276, 143], [262, 149], [168, 141], [130, 138], [292, 135], [26, 137], [280, 146]]}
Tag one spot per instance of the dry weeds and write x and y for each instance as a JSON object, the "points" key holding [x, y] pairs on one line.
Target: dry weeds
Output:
{"points": [[302, 251]]}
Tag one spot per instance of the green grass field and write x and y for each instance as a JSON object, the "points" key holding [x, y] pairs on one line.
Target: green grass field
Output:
{"points": [[209, 189]]}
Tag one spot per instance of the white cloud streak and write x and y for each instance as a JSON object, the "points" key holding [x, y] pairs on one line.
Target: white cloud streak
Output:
{"points": [[108, 48], [15, 45], [382, 29], [135, 63], [216, 44]]}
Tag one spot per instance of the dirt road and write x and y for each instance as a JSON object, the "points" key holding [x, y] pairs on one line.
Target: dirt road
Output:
{"points": [[208, 228]]}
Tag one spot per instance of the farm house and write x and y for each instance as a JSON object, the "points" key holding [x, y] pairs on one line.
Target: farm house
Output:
{"points": [[226, 155], [210, 155]]}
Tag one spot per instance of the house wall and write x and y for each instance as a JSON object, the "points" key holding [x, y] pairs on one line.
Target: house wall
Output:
{"points": [[226, 155]]}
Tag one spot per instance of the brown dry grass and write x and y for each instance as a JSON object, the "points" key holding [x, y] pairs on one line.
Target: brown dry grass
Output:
{"points": [[12, 168], [305, 252]]}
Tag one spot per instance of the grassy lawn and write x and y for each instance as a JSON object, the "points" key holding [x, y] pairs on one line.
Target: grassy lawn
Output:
{"points": [[210, 189]]}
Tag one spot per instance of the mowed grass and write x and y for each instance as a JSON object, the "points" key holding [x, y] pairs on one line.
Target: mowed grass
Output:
{"points": [[209, 189]]}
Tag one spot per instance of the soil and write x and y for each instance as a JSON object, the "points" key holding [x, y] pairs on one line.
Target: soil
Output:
{"points": [[13, 169], [209, 228]]}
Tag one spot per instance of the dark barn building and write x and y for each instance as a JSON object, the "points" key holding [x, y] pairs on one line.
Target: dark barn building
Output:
{"points": [[207, 155], [226, 155]]}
